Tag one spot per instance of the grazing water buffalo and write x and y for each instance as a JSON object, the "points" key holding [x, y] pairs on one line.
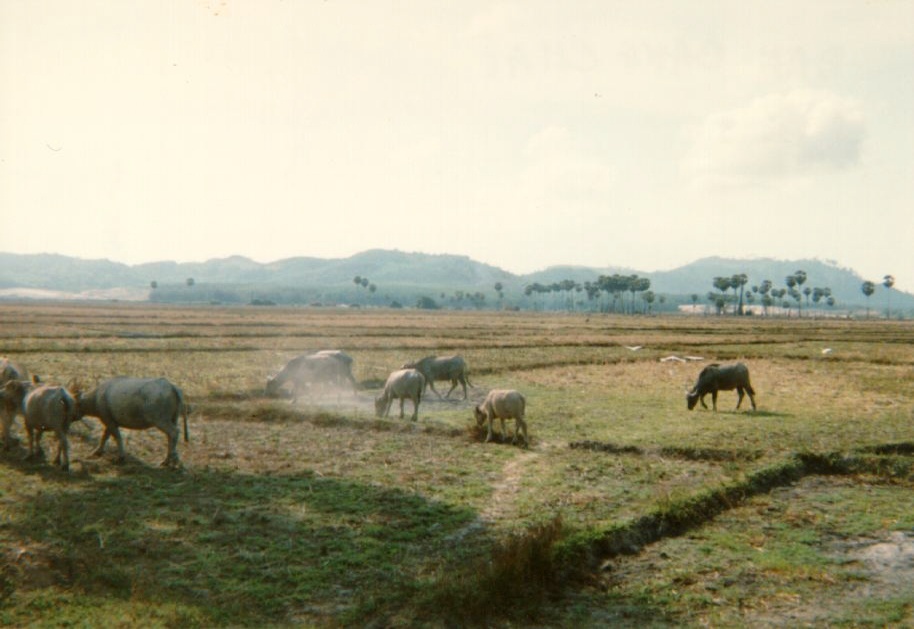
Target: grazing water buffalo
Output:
{"points": [[136, 403], [50, 408], [401, 384], [452, 368], [329, 366], [12, 396], [503, 404], [11, 371], [714, 378]]}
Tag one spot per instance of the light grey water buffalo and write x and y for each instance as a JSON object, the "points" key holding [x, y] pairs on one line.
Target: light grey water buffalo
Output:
{"points": [[503, 404], [452, 368], [50, 408], [402, 384], [328, 366], [137, 403], [714, 378]]}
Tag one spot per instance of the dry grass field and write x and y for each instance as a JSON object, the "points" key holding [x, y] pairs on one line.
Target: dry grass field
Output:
{"points": [[626, 510]]}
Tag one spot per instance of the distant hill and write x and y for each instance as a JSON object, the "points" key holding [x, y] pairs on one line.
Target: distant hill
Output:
{"points": [[396, 273], [698, 276]]}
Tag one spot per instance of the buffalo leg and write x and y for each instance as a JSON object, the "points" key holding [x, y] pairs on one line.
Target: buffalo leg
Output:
{"points": [[7, 436], [713, 400], [489, 433], [519, 422], [31, 433], [751, 397], [171, 457], [39, 452], [702, 400], [63, 448], [431, 384], [415, 416], [121, 453], [402, 400], [101, 446], [453, 386], [739, 400]]}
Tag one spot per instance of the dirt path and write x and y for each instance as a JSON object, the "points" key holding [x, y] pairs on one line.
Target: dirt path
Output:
{"points": [[505, 489]]}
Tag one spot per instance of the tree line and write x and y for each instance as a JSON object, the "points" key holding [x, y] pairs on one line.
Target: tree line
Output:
{"points": [[626, 294], [767, 294], [606, 294]]}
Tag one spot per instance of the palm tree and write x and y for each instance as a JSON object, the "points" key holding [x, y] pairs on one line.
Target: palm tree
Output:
{"points": [[868, 288], [791, 282], [648, 298], [778, 298], [719, 301], [817, 295], [640, 285], [739, 281], [765, 290], [631, 286], [723, 285], [888, 281], [567, 288], [800, 277]]}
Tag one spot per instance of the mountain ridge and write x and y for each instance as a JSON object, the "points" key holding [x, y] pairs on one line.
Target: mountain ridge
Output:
{"points": [[395, 268]]}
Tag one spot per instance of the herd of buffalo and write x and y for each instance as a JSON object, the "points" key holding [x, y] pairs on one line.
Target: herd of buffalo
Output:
{"points": [[142, 403]]}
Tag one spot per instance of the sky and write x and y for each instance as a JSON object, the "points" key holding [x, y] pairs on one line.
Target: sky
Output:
{"points": [[523, 134]]}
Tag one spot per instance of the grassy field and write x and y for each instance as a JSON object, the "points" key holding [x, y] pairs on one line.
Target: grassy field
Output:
{"points": [[627, 509]]}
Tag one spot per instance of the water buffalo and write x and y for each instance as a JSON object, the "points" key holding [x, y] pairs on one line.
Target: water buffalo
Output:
{"points": [[401, 384], [12, 396], [137, 403], [714, 378], [50, 408], [323, 367], [503, 404], [452, 368], [11, 371]]}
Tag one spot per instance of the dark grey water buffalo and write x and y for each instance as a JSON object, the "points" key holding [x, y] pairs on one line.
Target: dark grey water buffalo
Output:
{"points": [[503, 404], [714, 378], [452, 368], [12, 371], [50, 408], [324, 367], [12, 396], [138, 404], [401, 385]]}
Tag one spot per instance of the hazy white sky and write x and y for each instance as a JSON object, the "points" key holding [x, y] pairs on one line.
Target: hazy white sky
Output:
{"points": [[523, 134]]}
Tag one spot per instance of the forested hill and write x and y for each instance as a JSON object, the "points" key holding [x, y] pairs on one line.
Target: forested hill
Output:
{"points": [[393, 272]]}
